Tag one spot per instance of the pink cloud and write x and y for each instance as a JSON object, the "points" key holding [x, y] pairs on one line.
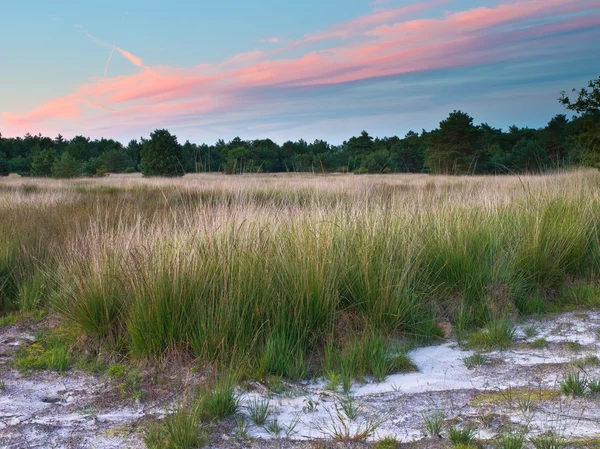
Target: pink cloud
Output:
{"points": [[135, 60], [380, 44]]}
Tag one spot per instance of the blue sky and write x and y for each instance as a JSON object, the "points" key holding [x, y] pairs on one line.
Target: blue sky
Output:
{"points": [[286, 69]]}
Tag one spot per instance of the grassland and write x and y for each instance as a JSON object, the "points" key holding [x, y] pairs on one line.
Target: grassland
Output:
{"points": [[295, 275]]}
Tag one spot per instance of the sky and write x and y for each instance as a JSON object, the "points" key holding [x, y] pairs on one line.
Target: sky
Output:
{"points": [[286, 69]]}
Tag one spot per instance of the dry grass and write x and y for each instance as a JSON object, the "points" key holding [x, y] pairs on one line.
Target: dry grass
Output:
{"points": [[226, 266]]}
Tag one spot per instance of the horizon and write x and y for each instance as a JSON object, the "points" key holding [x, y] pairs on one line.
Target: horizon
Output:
{"points": [[288, 72]]}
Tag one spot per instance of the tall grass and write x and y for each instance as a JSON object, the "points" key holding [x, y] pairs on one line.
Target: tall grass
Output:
{"points": [[283, 275]]}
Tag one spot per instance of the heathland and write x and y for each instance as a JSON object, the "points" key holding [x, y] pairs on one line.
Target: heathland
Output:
{"points": [[289, 276]]}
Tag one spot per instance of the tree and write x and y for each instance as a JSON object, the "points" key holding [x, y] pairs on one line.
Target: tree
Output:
{"points": [[42, 162], [115, 161], [587, 104], [162, 155], [4, 166], [452, 149], [66, 167], [529, 156], [587, 101]]}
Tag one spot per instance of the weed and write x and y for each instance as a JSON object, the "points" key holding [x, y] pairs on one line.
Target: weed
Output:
{"points": [[350, 408], [433, 423], [333, 381], [574, 346], [133, 386], [594, 386], [530, 331], [8, 320], [179, 430], [388, 442], [460, 436], [574, 384], [338, 427], [259, 410], [292, 428], [475, 360], [548, 440], [497, 335], [539, 343], [221, 401], [50, 352], [273, 428], [241, 427], [512, 441], [310, 405], [116, 370]]}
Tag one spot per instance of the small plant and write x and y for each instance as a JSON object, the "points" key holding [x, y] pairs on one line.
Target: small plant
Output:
{"points": [[179, 430], [401, 363], [539, 343], [460, 436], [433, 423], [497, 335], [525, 404], [530, 331], [259, 410], [475, 360], [292, 428], [116, 370], [275, 385], [133, 386], [310, 405], [273, 428], [346, 384], [574, 346], [594, 386], [2, 385], [241, 427], [512, 441], [219, 402], [333, 381], [349, 407], [574, 384], [547, 441], [388, 442], [49, 353], [8, 320], [591, 360], [339, 429]]}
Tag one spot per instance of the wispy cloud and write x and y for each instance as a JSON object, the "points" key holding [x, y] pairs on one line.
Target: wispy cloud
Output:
{"points": [[270, 40], [383, 43], [135, 60]]}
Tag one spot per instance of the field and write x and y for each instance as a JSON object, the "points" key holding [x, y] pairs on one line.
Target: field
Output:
{"points": [[280, 278]]}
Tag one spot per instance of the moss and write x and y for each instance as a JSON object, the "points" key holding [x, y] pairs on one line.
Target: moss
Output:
{"points": [[515, 395]]}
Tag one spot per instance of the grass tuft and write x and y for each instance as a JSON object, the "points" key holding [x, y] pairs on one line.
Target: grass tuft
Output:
{"points": [[497, 335]]}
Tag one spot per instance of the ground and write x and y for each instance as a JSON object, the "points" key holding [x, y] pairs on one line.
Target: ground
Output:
{"points": [[516, 389]]}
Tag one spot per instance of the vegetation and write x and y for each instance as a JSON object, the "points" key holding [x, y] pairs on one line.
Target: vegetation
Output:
{"points": [[179, 430], [457, 146], [574, 384], [295, 276]]}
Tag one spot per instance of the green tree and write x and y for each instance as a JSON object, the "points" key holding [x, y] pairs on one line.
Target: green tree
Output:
{"points": [[453, 146], [42, 162], [115, 161], [529, 156], [587, 104], [4, 165], [161, 155], [66, 167], [21, 165]]}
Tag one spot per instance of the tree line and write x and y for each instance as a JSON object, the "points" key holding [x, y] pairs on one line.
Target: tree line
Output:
{"points": [[457, 146]]}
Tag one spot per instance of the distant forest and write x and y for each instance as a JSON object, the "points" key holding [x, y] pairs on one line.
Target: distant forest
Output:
{"points": [[457, 146]]}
